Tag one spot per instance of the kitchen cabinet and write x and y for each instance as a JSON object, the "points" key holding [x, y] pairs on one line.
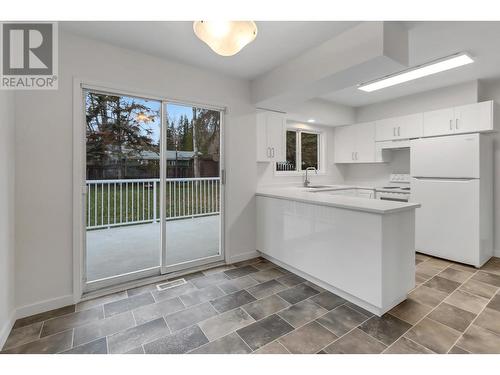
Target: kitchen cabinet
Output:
{"points": [[355, 143], [470, 118], [397, 128], [271, 128]]}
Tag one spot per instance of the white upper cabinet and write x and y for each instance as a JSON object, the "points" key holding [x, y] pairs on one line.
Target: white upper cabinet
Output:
{"points": [[355, 143], [271, 136], [471, 118], [397, 128]]}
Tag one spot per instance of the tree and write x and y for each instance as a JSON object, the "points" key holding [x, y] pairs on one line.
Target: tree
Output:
{"points": [[118, 130]]}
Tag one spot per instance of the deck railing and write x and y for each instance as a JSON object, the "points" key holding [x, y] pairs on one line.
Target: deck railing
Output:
{"points": [[123, 202]]}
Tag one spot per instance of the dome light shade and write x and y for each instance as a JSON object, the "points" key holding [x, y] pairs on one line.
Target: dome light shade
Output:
{"points": [[225, 38]]}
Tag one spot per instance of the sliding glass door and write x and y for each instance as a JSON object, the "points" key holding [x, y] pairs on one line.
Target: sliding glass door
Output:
{"points": [[153, 187]]}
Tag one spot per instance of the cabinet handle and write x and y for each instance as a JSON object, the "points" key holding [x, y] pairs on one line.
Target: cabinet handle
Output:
{"points": [[399, 131], [269, 152], [272, 151], [352, 155], [451, 124], [356, 155], [394, 132], [456, 124]]}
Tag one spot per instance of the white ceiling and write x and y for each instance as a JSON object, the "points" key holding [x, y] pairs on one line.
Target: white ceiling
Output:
{"points": [[431, 40], [276, 42]]}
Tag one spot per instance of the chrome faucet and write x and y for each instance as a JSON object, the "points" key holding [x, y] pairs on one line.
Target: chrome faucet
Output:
{"points": [[306, 180]]}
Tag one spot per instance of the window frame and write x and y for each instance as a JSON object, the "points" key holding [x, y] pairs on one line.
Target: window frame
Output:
{"points": [[299, 129]]}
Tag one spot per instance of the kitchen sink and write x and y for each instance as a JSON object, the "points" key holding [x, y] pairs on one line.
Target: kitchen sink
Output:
{"points": [[318, 186]]}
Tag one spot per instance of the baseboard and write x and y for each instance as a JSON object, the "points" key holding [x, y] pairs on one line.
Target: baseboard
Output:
{"points": [[243, 256], [44, 306], [7, 327]]}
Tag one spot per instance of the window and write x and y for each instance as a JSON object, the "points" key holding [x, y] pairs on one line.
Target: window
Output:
{"points": [[302, 151]]}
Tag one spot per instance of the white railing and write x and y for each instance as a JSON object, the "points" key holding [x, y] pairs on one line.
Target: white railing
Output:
{"points": [[123, 202]]}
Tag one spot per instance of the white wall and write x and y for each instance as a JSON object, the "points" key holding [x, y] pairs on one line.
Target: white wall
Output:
{"points": [[7, 157], [44, 152], [445, 97]]}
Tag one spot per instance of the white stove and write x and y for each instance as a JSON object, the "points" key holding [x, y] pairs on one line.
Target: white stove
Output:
{"points": [[398, 188]]}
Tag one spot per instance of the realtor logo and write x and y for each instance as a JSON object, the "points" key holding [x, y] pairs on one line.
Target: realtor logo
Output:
{"points": [[28, 56]]}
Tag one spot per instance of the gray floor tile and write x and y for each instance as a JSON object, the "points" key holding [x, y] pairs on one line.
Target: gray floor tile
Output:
{"points": [[455, 275], [98, 346], [235, 285], [406, 346], [467, 301], [297, 293], [355, 342], [247, 262], [143, 289], [218, 269], [266, 289], [190, 316], [266, 275], [478, 340], [452, 316], [458, 350], [241, 271], [302, 313], [191, 276], [23, 335], [433, 335], [308, 339], [489, 319], [220, 325], [442, 284], [177, 343], [76, 319], [290, 280], [428, 296], [102, 328], [44, 316], [479, 288], [495, 303], [492, 266], [487, 278], [328, 300], [231, 301], [138, 350], [314, 286], [410, 311], [358, 309], [230, 344], [131, 338], [205, 281], [264, 265], [163, 295], [85, 305], [157, 310], [266, 306], [127, 304], [272, 348], [386, 329], [202, 295], [57, 343], [341, 320], [264, 331]]}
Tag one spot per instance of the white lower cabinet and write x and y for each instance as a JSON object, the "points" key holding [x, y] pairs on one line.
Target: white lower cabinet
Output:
{"points": [[271, 136]]}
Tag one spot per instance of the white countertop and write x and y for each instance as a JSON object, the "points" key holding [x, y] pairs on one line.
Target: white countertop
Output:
{"points": [[315, 196]]}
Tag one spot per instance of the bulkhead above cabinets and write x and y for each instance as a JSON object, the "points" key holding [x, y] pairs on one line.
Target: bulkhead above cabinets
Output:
{"points": [[374, 140]]}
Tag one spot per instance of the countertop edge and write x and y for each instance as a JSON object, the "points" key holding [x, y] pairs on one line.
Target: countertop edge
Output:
{"points": [[411, 206]]}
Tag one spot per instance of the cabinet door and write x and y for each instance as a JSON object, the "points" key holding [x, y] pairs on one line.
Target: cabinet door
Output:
{"points": [[410, 126], [365, 142], [276, 135], [385, 130], [474, 117], [439, 122], [345, 144], [263, 149]]}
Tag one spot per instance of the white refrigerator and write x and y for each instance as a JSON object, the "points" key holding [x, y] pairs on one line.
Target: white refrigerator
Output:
{"points": [[452, 179]]}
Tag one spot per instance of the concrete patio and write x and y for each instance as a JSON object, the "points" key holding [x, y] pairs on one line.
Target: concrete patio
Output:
{"points": [[120, 250]]}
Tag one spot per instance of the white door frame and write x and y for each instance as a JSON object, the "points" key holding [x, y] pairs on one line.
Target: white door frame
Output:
{"points": [[79, 189]]}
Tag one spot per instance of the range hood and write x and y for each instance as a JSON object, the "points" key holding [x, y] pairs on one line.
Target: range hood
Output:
{"points": [[393, 145]]}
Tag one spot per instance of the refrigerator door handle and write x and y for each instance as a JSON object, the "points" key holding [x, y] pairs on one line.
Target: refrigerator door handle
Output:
{"points": [[465, 179]]}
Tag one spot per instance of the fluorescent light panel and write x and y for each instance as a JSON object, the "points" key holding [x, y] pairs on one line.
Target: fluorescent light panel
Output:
{"points": [[441, 65]]}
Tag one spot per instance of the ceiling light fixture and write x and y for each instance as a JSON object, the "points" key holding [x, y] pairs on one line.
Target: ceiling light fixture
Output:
{"points": [[433, 67], [225, 38], [311, 120]]}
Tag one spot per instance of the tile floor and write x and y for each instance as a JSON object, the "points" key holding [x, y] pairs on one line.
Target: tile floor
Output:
{"points": [[257, 307]]}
